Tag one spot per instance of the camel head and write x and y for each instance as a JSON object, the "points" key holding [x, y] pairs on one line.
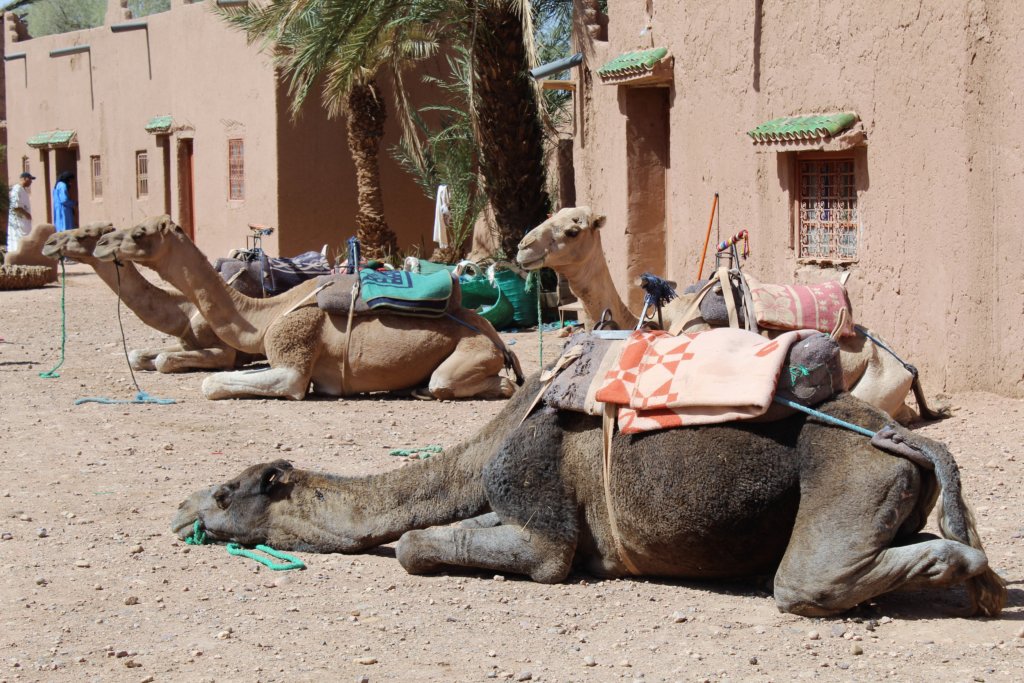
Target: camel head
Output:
{"points": [[238, 510], [78, 243], [147, 242], [570, 237]]}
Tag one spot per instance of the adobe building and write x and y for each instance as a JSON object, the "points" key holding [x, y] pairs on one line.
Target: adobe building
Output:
{"points": [[174, 113], [913, 180]]}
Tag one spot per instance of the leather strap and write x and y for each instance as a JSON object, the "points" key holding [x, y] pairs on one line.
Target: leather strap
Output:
{"points": [[730, 302], [356, 286], [549, 375], [608, 431], [688, 316]]}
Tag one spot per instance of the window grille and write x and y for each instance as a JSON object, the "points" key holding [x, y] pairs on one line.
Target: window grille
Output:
{"points": [[236, 170], [97, 177], [141, 174], [24, 165], [829, 224]]}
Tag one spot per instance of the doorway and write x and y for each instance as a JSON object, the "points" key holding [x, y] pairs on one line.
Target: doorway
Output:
{"points": [[647, 163], [186, 188], [65, 160]]}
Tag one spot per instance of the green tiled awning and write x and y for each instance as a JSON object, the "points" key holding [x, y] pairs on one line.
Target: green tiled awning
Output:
{"points": [[159, 124], [53, 138], [803, 128], [632, 64]]}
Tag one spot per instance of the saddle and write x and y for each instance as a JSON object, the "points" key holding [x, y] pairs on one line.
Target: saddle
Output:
{"points": [[336, 297]]}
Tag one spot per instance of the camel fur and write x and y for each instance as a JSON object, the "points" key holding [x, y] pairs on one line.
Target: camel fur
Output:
{"points": [[198, 348], [835, 519], [458, 357], [570, 243]]}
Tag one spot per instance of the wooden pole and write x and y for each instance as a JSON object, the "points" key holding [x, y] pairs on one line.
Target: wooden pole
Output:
{"points": [[707, 238]]}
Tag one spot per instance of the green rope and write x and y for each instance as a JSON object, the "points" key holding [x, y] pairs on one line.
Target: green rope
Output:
{"points": [[198, 537], [416, 451], [290, 561], [52, 372], [532, 282], [796, 371]]}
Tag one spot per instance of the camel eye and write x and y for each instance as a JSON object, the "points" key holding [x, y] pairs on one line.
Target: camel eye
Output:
{"points": [[137, 234], [573, 231]]}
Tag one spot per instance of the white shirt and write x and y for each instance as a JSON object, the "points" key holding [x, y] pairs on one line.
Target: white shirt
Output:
{"points": [[17, 225]]}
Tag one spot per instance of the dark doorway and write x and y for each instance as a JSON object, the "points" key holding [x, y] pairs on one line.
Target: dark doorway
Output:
{"points": [[186, 189], [164, 143], [65, 159], [647, 163]]}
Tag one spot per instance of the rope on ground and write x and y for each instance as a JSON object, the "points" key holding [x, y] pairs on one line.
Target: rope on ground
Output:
{"points": [[421, 452], [52, 372], [198, 537], [140, 395]]}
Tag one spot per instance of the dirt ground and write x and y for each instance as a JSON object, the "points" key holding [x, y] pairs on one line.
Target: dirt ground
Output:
{"points": [[96, 588]]}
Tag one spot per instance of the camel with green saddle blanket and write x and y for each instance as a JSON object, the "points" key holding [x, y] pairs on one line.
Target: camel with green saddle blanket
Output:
{"points": [[570, 243], [198, 347], [455, 355]]}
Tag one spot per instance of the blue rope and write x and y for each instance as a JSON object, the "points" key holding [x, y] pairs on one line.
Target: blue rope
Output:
{"points": [[825, 417], [140, 397]]}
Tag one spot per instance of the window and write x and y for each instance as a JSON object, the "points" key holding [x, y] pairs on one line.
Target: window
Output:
{"points": [[141, 174], [236, 170], [97, 177], [24, 165], [827, 213]]}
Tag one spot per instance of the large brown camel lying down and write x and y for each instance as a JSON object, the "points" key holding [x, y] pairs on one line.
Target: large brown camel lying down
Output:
{"points": [[167, 312], [835, 519], [457, 357], [570, 243]]}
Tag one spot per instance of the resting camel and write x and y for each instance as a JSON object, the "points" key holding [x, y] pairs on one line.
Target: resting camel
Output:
{"points": [[570, 243], [835, 519], [461, 356], [29, 250], [167, 312]]}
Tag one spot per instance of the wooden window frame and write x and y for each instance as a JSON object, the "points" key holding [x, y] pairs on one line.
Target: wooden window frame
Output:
{"points": [[141, 174], [236, 169], [96, 170], [846, 226]]}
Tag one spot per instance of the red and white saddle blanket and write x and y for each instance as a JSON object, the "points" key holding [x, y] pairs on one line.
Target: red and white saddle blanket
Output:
{"points": [[660, 381]]}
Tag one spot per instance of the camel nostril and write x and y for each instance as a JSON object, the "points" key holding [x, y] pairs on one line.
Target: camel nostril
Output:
{"points": [[527, 241]]}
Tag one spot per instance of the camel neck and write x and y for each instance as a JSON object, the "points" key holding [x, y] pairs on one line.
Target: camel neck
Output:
{"points": [[239, 320], [156, 307], [591, 282]]}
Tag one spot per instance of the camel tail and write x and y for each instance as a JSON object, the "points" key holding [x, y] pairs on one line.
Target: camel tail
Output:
{"points": [[922, 404], [986, 591]]}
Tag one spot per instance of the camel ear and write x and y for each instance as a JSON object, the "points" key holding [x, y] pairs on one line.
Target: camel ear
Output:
{"points": [[277, 472], [598, 221]]}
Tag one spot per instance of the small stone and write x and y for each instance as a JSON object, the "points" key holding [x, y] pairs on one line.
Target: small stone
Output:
{"points": [[885, 620], [6, 536], [82, 564], [223, 635], [679, 617], [589, 661], [363, 679], [856, 650], [136, 549], [148, 679], [42, 532], [41, 581], [499, 577], [366, 661], [813, 635], [843, 665], [168, 446], [132, 664], [838, 630], [1020, 632], [753, 660], [625, 663], [121, 654], [524, 676], [131, 600], [25, 518]]}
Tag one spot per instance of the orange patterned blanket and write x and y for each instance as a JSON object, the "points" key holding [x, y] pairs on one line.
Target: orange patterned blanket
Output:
{"points": [[661, 381]]}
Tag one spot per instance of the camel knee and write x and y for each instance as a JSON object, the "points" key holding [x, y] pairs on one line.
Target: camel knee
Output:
{"points": [[140, 360], [411, 551]]}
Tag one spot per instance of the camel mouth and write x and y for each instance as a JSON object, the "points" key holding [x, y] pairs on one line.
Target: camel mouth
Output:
{"points": [[530, 263], [51, 251]]}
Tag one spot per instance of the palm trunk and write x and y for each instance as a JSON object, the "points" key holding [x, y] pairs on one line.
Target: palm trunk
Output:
{"points": [[366, 115], [511, 139]]}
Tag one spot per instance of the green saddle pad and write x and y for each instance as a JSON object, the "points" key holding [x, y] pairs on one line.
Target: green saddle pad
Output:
{"points": [[405, 292]]}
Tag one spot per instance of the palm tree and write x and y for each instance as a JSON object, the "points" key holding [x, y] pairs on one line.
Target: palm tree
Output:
{"points": [[341, 46]]}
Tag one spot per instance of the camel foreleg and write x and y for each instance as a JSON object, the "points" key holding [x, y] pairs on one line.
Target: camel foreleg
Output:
{"points": [[196, 359], [263, 382], [145, 359]]}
